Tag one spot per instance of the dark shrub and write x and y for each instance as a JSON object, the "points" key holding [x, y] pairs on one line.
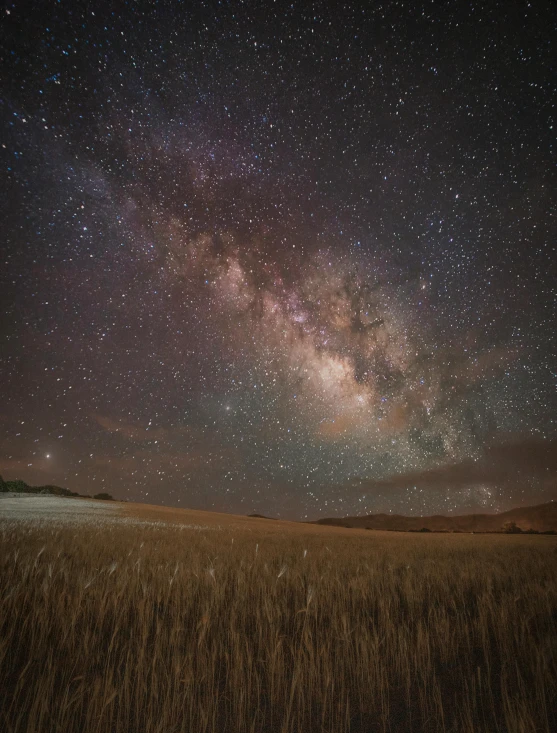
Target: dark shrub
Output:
{"points": [[511, 528], [104, 496], [19, 486], [55, 490]]}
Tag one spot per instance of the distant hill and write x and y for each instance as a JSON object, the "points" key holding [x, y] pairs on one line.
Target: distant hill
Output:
{"points": [[260, 516], [542, 518]]}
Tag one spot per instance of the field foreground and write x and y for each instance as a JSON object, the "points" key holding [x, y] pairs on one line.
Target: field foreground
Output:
{"points": [[160, 622]]}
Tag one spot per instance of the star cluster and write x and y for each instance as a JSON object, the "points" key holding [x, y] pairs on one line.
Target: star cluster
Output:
{"points": [[275, 257]]}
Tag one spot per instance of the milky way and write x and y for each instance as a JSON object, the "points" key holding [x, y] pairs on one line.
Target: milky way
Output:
{"points": [[280, 258]]}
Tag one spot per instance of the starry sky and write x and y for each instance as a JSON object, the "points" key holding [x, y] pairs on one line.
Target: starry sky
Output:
{"points": [[286, 257]]}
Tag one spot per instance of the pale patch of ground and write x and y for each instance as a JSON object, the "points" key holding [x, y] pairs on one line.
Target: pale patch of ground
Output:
{"points": [[57, 510]]}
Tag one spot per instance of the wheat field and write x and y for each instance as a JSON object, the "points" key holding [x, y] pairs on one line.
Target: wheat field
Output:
{"points": [[116, 628]]}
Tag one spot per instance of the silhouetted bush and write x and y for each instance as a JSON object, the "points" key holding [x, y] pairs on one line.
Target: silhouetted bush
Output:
{"points": [[55, 490], [19, 486], [104, 496], [511, 528]]}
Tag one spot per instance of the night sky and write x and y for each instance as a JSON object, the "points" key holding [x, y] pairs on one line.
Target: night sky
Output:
{"points": [[286, 257]]}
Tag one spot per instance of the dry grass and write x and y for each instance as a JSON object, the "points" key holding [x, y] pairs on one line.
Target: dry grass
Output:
{"points": [[253, 627]]}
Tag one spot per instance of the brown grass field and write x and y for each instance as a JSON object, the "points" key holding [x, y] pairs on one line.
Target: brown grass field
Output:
{"points": [[219, 624]]}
